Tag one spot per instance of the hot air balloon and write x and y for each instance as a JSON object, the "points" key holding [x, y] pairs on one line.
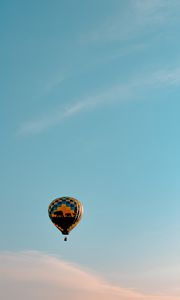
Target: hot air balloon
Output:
{"points": [[65, 213]]}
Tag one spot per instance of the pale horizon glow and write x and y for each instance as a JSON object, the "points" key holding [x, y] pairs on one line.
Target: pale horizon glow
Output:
{"points": [[47, 276]]}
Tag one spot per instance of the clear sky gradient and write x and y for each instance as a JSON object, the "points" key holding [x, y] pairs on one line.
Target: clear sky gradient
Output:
{"points": [[90, 108]]}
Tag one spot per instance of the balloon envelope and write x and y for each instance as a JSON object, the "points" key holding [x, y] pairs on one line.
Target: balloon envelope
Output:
{"points": [[65, 213]]}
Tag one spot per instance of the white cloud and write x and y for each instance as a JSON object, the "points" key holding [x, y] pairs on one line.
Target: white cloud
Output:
{"points": [[136, 18], [34, 275], [56, 117], [170, 76], [120, 92], [57, 79]]}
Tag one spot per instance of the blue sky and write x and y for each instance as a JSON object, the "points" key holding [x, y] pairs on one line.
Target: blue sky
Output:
{"points": [[90, 109]]}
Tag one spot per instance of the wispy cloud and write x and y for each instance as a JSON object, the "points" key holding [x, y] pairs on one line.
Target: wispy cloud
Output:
{"points": [[87, 103], [167, 77], [170, 76], [34, 275], [56, 80], [56, 117], [137, 18]]}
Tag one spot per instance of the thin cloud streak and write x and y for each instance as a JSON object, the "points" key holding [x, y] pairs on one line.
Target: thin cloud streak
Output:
{"points": [[139, 17], [47, 277], [57, 80], [168, 77], [56, 117]]}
